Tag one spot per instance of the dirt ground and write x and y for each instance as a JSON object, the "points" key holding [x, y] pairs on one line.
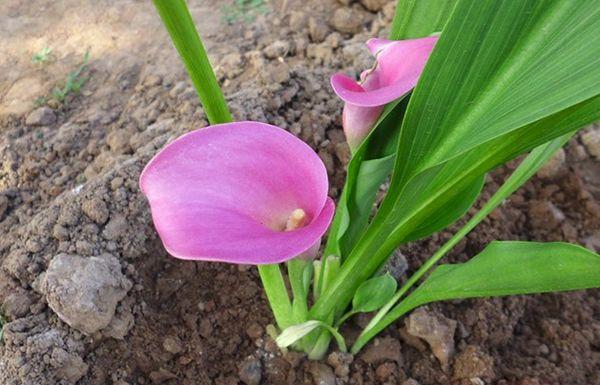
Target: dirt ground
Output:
{"points": [[91, 297]]}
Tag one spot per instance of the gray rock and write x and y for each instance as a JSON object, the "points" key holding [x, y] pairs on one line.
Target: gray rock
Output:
{"points": [[437, 330], [347, 20], [591, 141], [84, 292], [251, 371], [43, 116], [172, 344]]}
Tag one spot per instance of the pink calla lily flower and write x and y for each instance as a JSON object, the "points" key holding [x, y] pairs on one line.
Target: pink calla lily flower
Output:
{"points": [[397, 69], [244, 192]]}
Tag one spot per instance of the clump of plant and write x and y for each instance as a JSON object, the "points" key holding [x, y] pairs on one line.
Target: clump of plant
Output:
{"points": [[244, 10], [42, 55], [459, 89], [76, 79]]}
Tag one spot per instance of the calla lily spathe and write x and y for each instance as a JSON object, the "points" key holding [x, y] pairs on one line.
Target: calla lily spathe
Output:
{"points": [[243, 192], [397, 69]]}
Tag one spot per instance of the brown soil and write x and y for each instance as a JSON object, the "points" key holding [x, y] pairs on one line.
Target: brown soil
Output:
{"points": [[68, 184]]}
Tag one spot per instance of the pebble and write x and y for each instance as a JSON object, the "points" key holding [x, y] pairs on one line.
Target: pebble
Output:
{"points": [[472, 363], [278, 48], [383, 349], [172, 344], [43, 116], [96, 210], [251, 371], [437, 330], [340, 363], [161, 375], [322, 374]]}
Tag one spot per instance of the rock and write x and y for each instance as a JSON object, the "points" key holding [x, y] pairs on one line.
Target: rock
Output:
{"points": [[410, 381], [473, 363], [553, 166], [43, 116], [340, 363], [397, 265], [374, 5], [119, 326], [322, 374], [437, 330], [172, 344], [317, 30], [17, 304], [545, 215], [152, 80], [70, 366], [96, 210], [347, 20], [250, 371], [591, 141], [84, 292], [383, 349], [279, 48]]}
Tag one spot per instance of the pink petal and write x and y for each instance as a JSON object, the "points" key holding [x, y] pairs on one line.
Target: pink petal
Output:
{"points": [[357, 122], [225, 192]]}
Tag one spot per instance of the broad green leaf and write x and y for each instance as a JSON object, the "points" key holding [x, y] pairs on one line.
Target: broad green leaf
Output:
{"points": [[506, 268], [418, 18], [487, 58], [373, 293], [502, 268], [294, 333]]}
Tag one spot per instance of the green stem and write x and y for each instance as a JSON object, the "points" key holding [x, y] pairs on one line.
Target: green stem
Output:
{"points": [[526, 170], [296, 269], [178, 21], [277, 295]]}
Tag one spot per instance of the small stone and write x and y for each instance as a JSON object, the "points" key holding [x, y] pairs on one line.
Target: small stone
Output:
{"points": [[231, 65], [43, 116], [347, 20], [322, 374], [279, 48], [374, 5], [410, 381], [317, 29], [251, 371], [96, 210], [591, 141], [383, 349], [472, 363], [84, 292], [71, 367], [437, 330], [386, 371], [172, 344], [280, 73], [397, 265], [553, 166]]}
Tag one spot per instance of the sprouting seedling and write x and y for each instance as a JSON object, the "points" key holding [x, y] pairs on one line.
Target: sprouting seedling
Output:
{"points": [[2, 323], [436, 114], [74, 83], [42, 56], [246, 10]]}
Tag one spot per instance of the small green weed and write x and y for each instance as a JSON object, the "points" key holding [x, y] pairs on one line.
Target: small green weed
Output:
{"points": [[75, 81], [42, 56], [2, 322], [245, 10]]}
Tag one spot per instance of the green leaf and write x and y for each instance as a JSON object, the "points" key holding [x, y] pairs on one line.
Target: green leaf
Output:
{"points": [[488, 93], [373, 293], [502, 268], [419, 18], [294, 333], [507, 268]]}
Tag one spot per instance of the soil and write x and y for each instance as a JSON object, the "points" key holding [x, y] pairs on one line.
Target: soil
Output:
{"points": [[69, 194]]}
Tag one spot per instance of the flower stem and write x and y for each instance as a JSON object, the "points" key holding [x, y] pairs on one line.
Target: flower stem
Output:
{"points": [[178, 21], [277, 295]]}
